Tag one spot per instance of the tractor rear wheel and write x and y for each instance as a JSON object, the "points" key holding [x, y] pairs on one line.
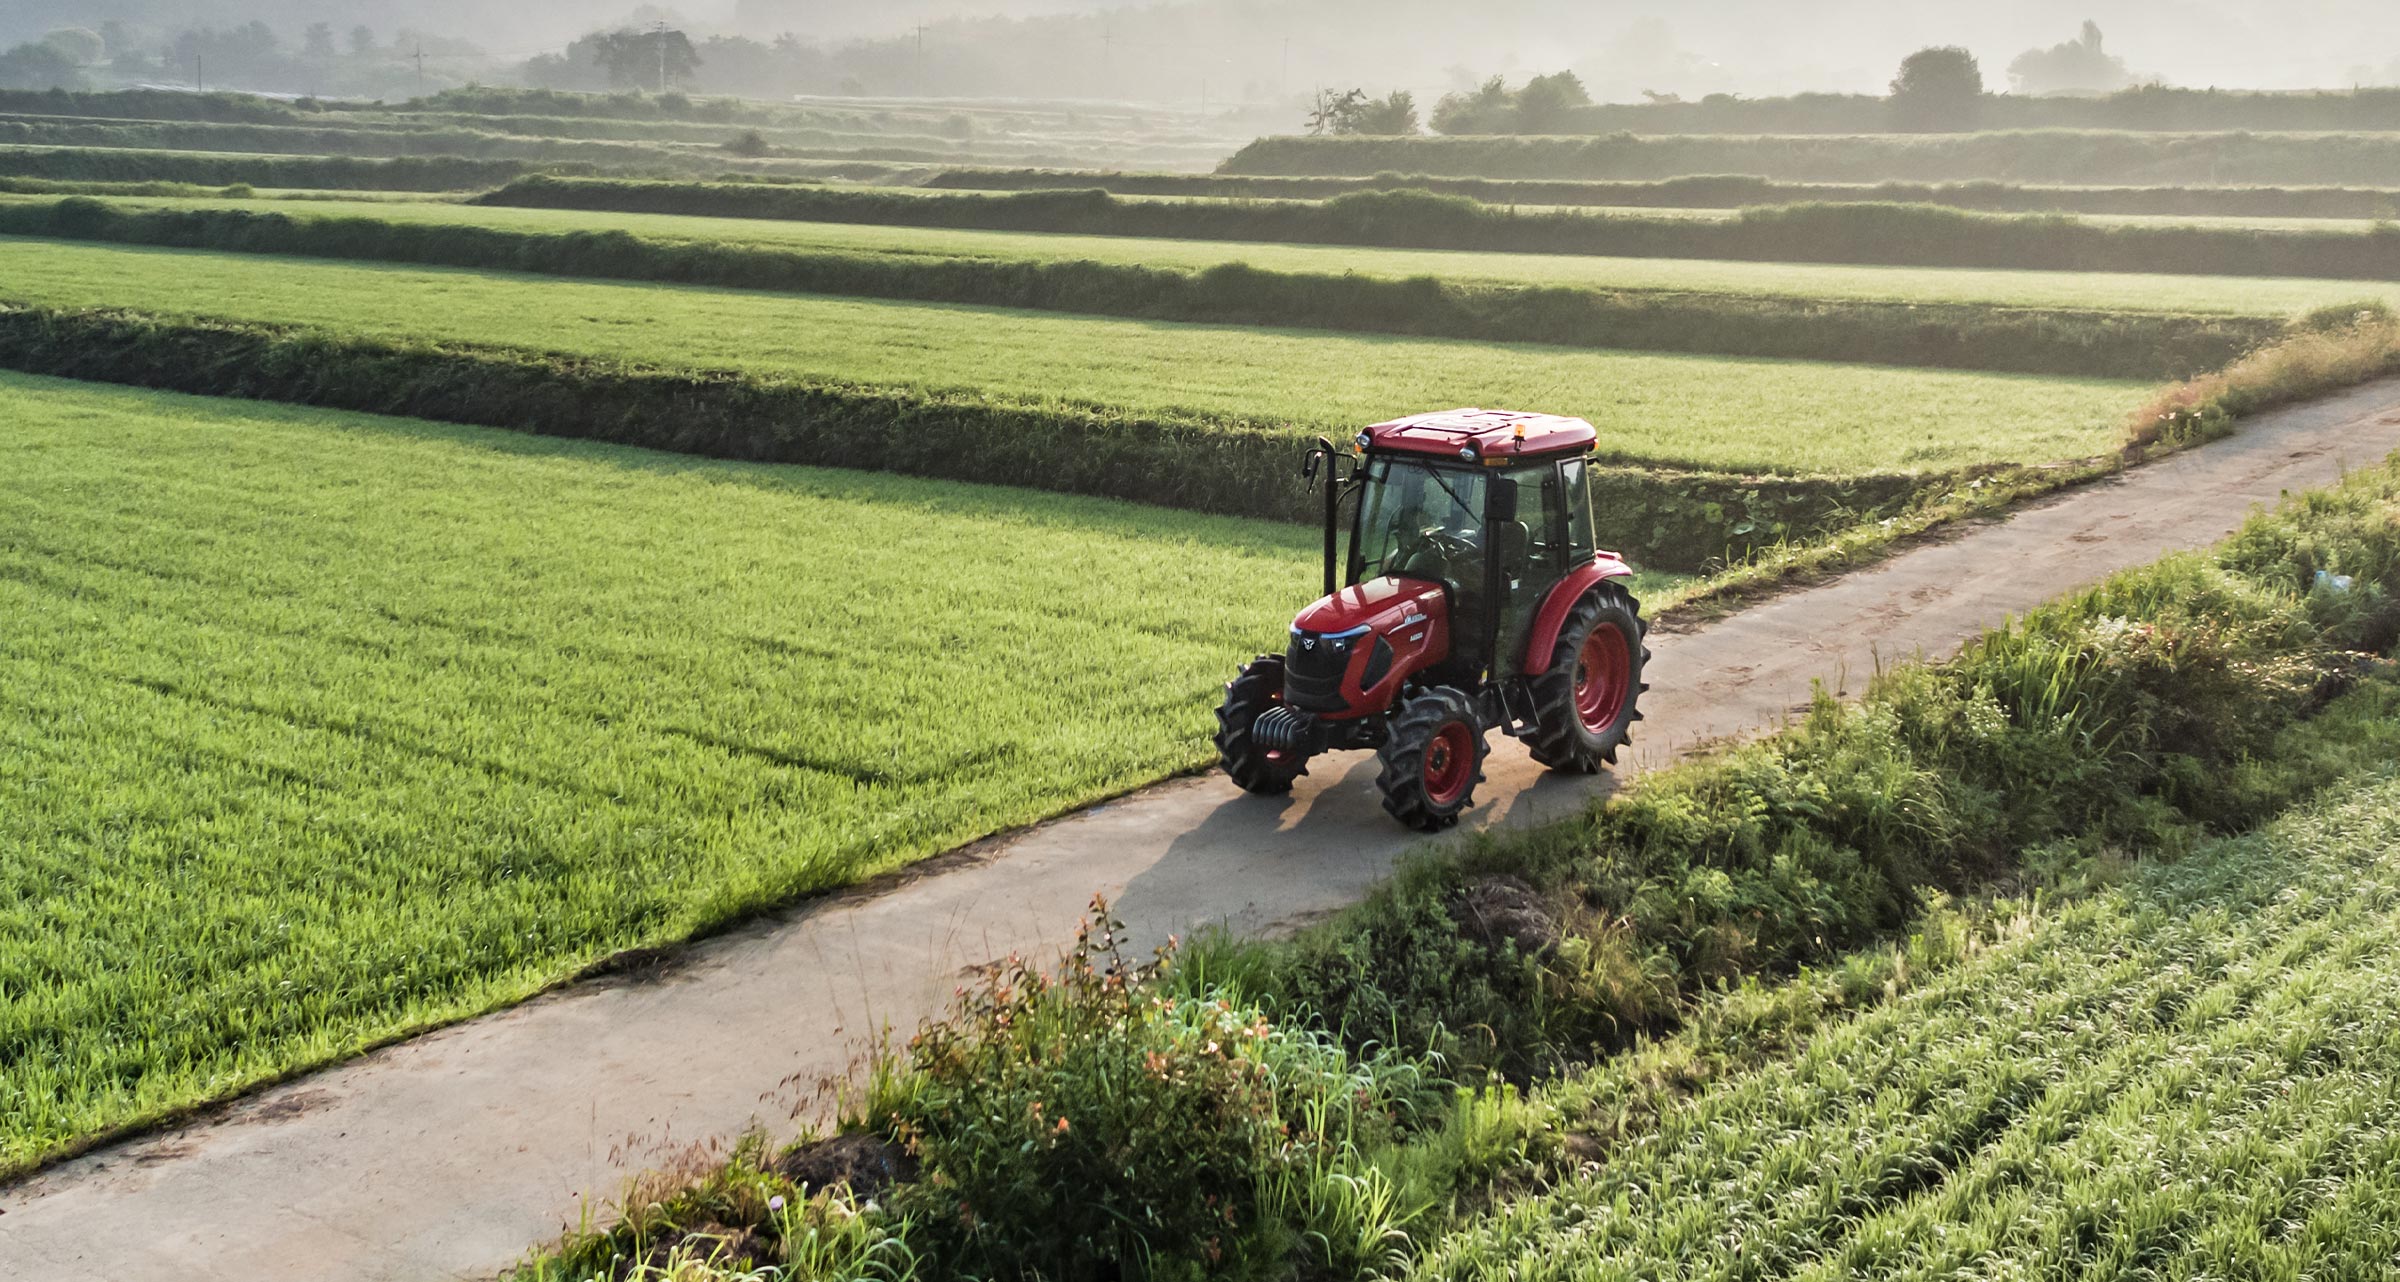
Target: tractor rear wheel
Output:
{"points": [[1586, 701], [1432, 760], [1258, 688]]}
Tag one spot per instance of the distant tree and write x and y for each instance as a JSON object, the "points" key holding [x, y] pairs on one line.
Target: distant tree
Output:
{"points": [[39, 66], [749, 142], [563, 71], [1939, 90], [1490, 109], [1331, 110], [2080, 64], [1393, 115], [82, 45], [1354, 112], [645, 59], [362, 41], [1544, 104], [317, 42]]}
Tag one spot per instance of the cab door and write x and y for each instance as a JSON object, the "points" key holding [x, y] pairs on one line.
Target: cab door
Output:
{"points": [[1531, 544]]}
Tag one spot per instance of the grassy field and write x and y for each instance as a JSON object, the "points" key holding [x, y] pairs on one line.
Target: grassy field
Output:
{"points": [[2159, 292], [1741, 414], [2197, 1076], [372, 723]]}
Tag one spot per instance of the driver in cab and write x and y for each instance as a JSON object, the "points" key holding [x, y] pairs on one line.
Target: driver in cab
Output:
{"points": [[1439, 539]]}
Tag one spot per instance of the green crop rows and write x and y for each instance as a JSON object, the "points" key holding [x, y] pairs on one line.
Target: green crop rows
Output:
{"points": [[1737, 414], [2232, 295], [315, 728], [2198, 1076]]}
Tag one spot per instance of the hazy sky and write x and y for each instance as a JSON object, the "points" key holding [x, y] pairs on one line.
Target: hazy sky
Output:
{"points": [[1690, 46]]}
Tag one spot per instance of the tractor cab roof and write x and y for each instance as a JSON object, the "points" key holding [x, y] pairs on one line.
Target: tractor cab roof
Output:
{"points": [[1492, 437]]}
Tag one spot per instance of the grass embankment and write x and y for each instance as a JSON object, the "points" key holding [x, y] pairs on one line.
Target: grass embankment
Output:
{"points": [[1717, 191], [2124, 344], [428, 142], [1891, 235], [1206, 417], [329, 173], [2014, 1080], [374, 723], [1679, 519], [1926, 287], [2094, 157]]}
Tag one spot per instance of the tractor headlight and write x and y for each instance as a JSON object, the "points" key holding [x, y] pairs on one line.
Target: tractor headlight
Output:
{"points": [[1467, 452]]}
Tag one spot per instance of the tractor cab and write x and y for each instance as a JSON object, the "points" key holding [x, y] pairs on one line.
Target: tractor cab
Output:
{"points": [[1495, 507], [1470, 598]]}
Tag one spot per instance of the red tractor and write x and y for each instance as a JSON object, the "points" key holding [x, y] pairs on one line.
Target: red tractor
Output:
{"points": [[1473, 599]]}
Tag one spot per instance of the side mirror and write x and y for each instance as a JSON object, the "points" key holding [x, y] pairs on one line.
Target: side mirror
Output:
{"points": [[1322, 454], [1503, 504]]}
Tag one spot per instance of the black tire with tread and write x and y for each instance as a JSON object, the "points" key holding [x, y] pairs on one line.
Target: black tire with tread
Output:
{"points": [[1558, 738], [1257, 688], [1402, 781]]}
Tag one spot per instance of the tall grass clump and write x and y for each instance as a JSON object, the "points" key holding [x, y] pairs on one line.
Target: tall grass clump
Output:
{"points": [[2333, 348], [1085, 1122]]}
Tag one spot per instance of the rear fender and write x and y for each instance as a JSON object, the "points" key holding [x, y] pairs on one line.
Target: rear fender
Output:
{"points": [[1553, 615]]}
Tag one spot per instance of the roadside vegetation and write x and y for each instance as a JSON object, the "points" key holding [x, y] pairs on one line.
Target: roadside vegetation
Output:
{"points": [[2025, 947]]}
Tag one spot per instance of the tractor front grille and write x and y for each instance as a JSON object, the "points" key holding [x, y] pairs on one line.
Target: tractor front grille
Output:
{"points": [[1313, 668]]}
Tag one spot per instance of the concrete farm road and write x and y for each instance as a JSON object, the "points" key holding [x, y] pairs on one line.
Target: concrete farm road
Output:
{"points": [[447, 1156]]}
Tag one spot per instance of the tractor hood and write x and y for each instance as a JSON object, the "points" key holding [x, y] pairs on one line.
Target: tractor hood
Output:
{"points": [[1379, 604]]}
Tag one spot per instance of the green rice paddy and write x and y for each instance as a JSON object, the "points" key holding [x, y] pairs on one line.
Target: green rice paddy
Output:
{"points": [[1743, 414], [2233, 295]]}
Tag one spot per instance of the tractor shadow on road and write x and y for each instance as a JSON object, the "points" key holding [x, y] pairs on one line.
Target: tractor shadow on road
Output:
{"points": [[1271, 865]]}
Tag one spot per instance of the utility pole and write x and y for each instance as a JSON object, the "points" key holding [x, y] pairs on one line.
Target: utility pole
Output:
{"points": [[1283, 82], [920, 40], [199, 72], [420, 68]]}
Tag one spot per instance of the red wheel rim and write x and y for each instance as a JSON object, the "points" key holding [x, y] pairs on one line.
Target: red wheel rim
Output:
{"points": [[1603, 676], [1449, 764]]}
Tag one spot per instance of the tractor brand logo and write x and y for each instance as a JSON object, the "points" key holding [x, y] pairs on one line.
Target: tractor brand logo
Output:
{"points": [[1308, 643]]}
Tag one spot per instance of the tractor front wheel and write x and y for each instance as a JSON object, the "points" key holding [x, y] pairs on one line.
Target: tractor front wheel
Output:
{"points": [[1258, 688], [1586, 701], [1432, 760]]}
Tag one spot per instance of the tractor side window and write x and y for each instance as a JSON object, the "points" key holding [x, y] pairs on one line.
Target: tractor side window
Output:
{"points": [[1581, 541]]}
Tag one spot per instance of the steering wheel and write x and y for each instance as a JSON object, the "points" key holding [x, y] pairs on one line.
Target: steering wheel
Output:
{"points": [[1442, 548]]}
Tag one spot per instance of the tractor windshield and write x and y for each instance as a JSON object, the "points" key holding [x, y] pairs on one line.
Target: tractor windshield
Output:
{"points": [[1421, 522]]}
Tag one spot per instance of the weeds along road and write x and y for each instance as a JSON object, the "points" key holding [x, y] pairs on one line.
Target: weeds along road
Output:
{"points": [[449, 1155]]}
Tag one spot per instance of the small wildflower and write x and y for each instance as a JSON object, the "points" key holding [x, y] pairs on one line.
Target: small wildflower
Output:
{"points": [[775, 1203], [1062, 1126]]}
